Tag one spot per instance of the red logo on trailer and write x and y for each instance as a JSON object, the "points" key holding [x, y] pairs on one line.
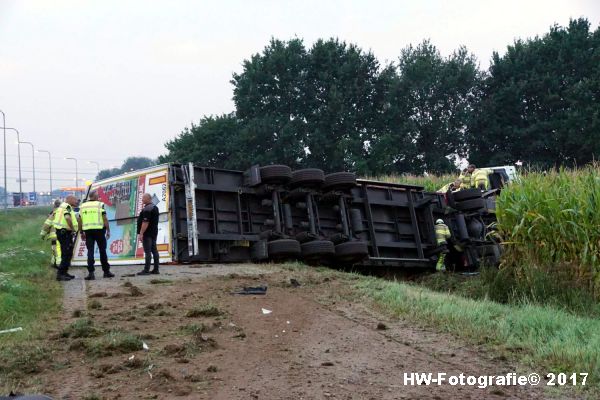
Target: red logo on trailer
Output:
{"points": [[116, 247]]}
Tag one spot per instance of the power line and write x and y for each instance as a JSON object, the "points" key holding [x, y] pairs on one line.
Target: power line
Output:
{"points": [[65, 170], [47, 179], [82, 159]]}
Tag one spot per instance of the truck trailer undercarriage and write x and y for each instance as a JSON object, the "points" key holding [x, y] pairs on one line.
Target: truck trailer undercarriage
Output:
{"points": [[274, 213]]}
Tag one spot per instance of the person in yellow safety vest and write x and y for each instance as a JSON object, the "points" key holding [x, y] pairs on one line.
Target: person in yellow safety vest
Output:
{"points": [[48, 232], [450, 186], [465, 177], [479, 179], [95, 231], [66, 226], [442, 234]]}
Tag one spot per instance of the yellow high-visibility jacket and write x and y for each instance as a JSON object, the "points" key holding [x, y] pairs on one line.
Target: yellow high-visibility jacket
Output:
{"points": [[442, 234], [480, 178]]}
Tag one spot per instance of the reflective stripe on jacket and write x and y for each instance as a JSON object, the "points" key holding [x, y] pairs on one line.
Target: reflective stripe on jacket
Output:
{"points": [[442, 233], [48, 232]]}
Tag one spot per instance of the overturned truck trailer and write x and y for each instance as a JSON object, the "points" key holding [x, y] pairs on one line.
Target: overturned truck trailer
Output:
{"points": [[274, 213]]}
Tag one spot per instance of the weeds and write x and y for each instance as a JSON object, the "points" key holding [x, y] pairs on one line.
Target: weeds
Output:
{"points": [[82, 328], [195, 328], [114, 342], [161, 281], [94, 305], [23, 359], [205, 310]]}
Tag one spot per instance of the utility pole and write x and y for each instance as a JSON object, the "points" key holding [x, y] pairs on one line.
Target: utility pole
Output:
{"points": [[19, 156], [5, 186]]}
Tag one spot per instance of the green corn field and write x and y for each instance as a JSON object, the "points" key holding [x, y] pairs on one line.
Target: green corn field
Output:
{"points": [[551, 223], [431, 183]]}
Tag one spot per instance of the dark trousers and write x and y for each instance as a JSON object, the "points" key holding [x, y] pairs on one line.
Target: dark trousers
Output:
{"points": [[150, 251], [65, 238], [98, 237]]}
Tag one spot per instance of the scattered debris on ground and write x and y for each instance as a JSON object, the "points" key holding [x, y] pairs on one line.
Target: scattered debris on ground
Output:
{"points": [[190, 339]]}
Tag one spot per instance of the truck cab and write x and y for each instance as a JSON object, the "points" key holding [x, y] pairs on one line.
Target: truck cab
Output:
{"points": [[502, 175]]}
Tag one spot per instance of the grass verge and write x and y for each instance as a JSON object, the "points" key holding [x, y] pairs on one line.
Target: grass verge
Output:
{"points": [[29, 295], [543, 337]]}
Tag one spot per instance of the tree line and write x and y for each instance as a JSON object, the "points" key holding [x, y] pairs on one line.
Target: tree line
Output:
{"points": [[130, 164], [335, 106]]}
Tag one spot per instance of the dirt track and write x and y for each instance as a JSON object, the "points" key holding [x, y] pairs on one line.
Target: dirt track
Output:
{"points": [[315, 344]]}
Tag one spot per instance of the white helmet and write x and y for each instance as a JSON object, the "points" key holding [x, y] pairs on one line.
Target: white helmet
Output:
{"points": [[439, 221]]}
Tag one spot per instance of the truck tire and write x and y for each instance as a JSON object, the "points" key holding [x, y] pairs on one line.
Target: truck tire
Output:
{"points": [[275, 174], [317, 248], [340, 181], [259, 251], [471, 205], [355, 251], [284, 248], [311, 177], [467, 194]]}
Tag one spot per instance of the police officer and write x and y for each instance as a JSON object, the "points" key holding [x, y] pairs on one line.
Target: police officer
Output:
{"points": [[442, 234], [65, 223], [95, 230], [48, 232]]}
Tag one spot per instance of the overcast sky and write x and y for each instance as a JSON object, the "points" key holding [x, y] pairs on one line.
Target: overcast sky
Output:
{"points": [[106, 79]]}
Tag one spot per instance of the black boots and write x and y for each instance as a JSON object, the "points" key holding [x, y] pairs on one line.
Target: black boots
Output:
{"points": [[108, 274], [63, 277], [148, 272], [90, 276]]}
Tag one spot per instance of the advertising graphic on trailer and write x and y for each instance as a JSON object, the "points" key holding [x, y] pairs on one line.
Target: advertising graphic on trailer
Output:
{"points": [[122, 198]]}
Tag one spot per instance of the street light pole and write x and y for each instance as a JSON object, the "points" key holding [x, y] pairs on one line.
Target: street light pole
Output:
{"points": [[5, 186], [19, 153], [50, 164], [76, 173], [32, 155]]}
